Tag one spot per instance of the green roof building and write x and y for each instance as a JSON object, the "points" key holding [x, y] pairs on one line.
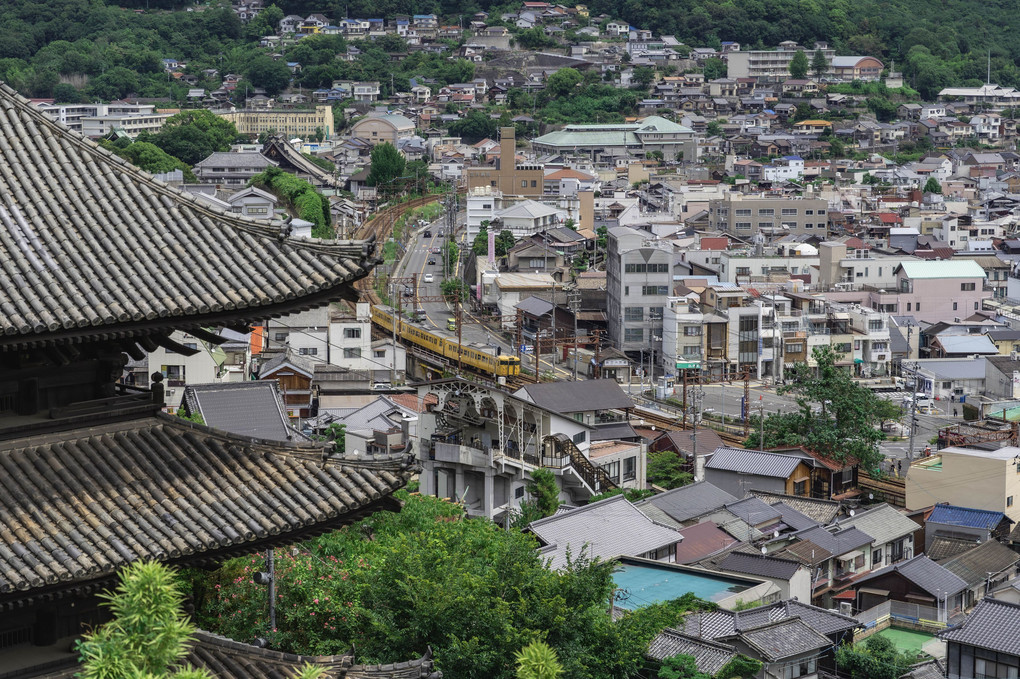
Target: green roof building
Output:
{"points": [[604, 142]]}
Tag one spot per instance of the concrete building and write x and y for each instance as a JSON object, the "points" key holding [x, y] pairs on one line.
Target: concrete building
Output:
{"points": [[744, 215], [379, 129], [507, 177], [639, 281], [231, 169], [131, 124], [607, 142], [288, 123], [935, 291], [768, 64], [74, 116], [980, 479]]}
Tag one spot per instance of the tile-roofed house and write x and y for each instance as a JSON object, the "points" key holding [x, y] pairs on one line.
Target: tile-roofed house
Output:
{"points": [[890, 531], [822, 511], [606, 529], [752, 462], [709, 656], [941, 548], [760, 565], [836, 542], [228, 659], [252, 409], [993, 626], [965, 522], [682, 442], [926, 669], [733, 469], [754, 512], [983, 568], [686, 503], [792, 518], [915, 580], [781, 642], [588, 396], [702, 540]]}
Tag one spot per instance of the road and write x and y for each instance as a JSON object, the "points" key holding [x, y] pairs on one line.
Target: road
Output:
{"points": [[436, 314]]}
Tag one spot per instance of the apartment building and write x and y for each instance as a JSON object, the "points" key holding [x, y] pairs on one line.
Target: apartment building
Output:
{"points": [[289, 123], [74, 116], [683, 334], [639, 282], [745, 215], [733, 325], [131, 124], [769, 64]]}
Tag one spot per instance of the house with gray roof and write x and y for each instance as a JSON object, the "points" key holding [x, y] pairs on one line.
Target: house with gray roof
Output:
{"points": [[988, 641], [792, 577], [686, 504], [892, 534], [964, 523], [231, 169], [709, 656], [984, 567], [736, 470], [821, 511], [783, 644], [606, 529], [253, 408], [584, 401], [918, 580]]}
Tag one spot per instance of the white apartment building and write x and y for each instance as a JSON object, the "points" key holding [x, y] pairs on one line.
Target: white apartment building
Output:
{"points": [[872, 350], [97, 116]]}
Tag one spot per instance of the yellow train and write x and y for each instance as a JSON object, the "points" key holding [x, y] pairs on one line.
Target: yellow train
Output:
{"points": [[470, 356]]}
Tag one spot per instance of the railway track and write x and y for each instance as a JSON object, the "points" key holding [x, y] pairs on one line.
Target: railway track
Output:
{"points": [[380, 227], [668, 422]]}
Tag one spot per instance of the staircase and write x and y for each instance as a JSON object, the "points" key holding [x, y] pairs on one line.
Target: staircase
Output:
{"points": [[593, 476]]}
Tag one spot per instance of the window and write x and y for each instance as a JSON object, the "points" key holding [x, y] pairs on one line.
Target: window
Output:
{"points": [[308, 351], [908, 306], [794, 348], [379, 353], [742, 225], [954, 306], [809, 212], [635, 268], [692, 330], [524, 183], [649, 290], [536, 263], [519, 493], [352, 353], [809, 225], [789, 212], [534, 183], [655, 313], [633, 335], [742, 213], [766, 212], [917, 307], [633, 313], [280, 337], [875, 324], [579, 437], [1009, 501], [630, 469], [613, 470], [692, 351], [966, 287], [764, 225], [876, 558], [352, 333], [800, 488]]}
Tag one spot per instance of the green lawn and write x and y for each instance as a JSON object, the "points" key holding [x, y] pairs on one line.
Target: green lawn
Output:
{"points": [[906, 641]]}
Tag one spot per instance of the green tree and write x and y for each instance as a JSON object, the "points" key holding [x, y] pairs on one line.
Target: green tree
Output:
{"points": [[149, 632], [714, 68], [666, 469], [193, 135], [480, 245], [644, 76], [151, 158], [387, 164], [538, 660], [474, 127], [681, 667], [818, 64], [714, 128], [451, 288], [562, 82], [798, 65], [544, 491], [272, 76], [932, 186], [451, 251], [504, 241], [876, 658], [836, 417]]}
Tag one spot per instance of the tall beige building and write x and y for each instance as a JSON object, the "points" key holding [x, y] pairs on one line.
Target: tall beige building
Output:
{"points": [[746, 215], [289, 123], [982, 479], [507, 176]]}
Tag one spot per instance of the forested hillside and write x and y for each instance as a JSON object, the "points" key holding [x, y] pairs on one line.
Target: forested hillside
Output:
{"points": [[106, 50]]}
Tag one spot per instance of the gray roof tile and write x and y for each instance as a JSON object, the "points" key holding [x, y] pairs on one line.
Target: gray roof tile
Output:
{"points": [[973, 566], [753, 511], [688, 502], [993, 625], [95, 246], [838, 542], [246, 408], [784, 639], [924, 573], [753, 462], [162, 488], [574, 397], [883, 523], [762, 566], [609, 528], [822, 511], [709, 656]]}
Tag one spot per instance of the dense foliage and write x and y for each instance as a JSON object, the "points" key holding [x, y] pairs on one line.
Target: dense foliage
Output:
{"points": [[148, 157], [668, 470], [301, 196], [387, 165], [835, 417], [876, 658], [394, 584], [192, 136]]}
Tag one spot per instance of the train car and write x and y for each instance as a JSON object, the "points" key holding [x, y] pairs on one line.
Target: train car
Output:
{"points": [[473, 357]]}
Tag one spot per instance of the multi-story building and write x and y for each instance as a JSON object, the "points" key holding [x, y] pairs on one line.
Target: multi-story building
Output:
{"points": [[683, 335], [946, 289], [745, 215], [131, 124], [76, 115], [507, 176], [980, 479], [379, 129], [769, 64], [872, 350], [639, 282], [733, 326], [606, 142], [289, 122]]}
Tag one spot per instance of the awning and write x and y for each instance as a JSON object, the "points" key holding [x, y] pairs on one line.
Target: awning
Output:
{"points": [[851, 555], [858, 361], [871, 590], [847, 595]]}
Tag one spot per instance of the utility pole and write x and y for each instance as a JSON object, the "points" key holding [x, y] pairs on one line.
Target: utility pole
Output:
{"points": [[913, 413], [396, 319], [460, 351], [574, 303], [761, 421], [598, 353]]}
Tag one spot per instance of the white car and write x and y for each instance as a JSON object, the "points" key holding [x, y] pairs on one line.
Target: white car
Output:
{"points": [[429, 278]]}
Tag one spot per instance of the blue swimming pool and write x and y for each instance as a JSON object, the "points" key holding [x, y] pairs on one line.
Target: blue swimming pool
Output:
{"points": [[648, 584]]}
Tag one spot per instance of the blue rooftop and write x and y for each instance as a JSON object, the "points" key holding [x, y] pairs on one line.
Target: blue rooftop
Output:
{"points": [[644, 584], [965, 516]]}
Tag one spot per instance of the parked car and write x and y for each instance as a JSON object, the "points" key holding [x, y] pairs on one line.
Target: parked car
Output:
{"points": [[429, 278]]}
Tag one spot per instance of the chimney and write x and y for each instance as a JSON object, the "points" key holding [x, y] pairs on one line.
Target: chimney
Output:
{"points": [[507, 148]]}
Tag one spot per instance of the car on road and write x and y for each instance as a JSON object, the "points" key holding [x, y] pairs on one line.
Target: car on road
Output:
{"points": [[427, 234], [407, 291], [381, 385], [451, 323], [435, 251], [429, 278], [432, 261]]}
